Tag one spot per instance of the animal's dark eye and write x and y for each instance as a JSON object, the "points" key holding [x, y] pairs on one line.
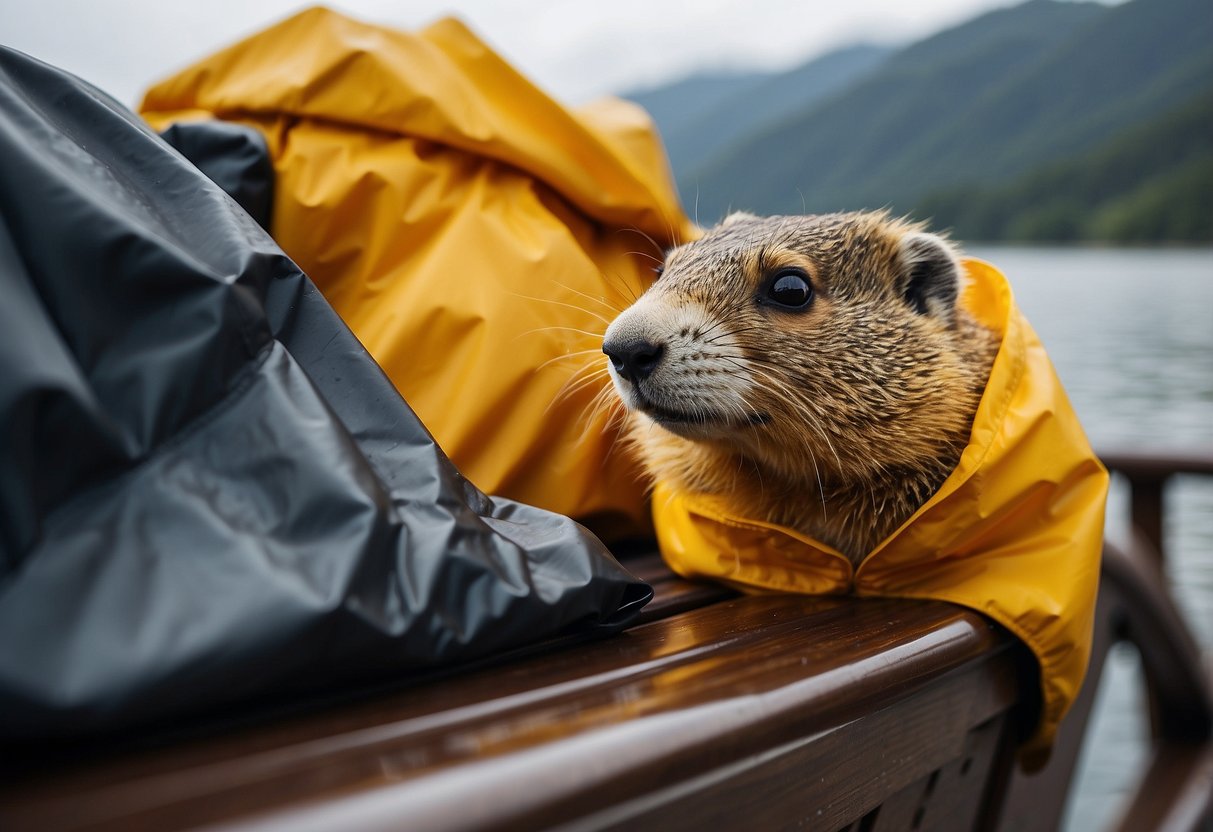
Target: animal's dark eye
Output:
{"points": [[791, 289], [658, 269]]}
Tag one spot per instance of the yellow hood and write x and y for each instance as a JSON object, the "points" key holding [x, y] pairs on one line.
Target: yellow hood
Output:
{"points": [[1015, 532], [470, 230]]}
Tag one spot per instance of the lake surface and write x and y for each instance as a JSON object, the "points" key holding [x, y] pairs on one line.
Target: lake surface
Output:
{"points": [[1131, 335]]}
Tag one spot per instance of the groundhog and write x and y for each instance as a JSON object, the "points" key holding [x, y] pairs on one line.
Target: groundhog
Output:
{"points": [[815, 371]]}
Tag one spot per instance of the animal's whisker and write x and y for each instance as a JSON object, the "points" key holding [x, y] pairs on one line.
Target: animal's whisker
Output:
{"points": [[554, 302], [575, 384], [653, 257], [561, 327], [622, 287], [634, 230], [569, 356], [612, 308]]}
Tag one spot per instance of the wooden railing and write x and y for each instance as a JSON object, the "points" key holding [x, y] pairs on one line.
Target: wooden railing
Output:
{"points": [[1147, 475], [716, 711]]}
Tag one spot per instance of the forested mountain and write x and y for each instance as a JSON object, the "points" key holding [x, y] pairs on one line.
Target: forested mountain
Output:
{"points": [[1005, 107], [1151, 183]]}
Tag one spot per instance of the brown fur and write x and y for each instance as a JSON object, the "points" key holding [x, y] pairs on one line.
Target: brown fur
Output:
{"points": [[838, 420]]}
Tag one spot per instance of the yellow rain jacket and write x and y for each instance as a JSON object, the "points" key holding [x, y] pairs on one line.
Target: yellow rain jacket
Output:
{"points": [[1015, 532], [477, 237]]}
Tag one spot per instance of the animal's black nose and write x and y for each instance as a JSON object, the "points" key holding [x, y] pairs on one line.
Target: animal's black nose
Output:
{"points": [[634, 360]]}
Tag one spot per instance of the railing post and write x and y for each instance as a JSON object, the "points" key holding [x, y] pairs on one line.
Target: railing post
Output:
{"points": [[1146, 512]]}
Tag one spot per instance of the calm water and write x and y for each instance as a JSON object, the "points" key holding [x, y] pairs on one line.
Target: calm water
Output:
{"points": [[1131, 334]]}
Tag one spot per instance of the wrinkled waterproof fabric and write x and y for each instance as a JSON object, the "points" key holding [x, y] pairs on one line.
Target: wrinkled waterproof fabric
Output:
{"points": [[475, 235], [209, 492], [1015, 532]]}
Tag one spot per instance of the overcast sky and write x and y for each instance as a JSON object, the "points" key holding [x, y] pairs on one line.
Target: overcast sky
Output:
{"points": [[572, 48]]}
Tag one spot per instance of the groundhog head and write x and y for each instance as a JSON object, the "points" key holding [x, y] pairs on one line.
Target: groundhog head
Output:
{"points": [[824, 346]]}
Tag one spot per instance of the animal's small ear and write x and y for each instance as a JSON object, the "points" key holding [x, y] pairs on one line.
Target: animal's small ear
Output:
{"points": [[738, 216], [931, 275]]}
